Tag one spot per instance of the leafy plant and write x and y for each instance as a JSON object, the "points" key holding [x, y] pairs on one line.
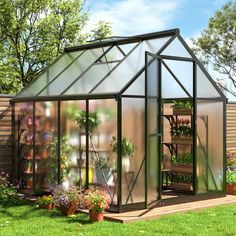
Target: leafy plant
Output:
{"points": [[51, 163], [230, 176], [63, 196], [79, 117], [184, 159], [101, 162], [45, 200], [231, 160], [181, 127], [182, 104], [96, 200], [8, 194], [127, 147]]}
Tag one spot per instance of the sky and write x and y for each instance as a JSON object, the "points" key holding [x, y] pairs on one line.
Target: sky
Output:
{"points": [[133, 17]]}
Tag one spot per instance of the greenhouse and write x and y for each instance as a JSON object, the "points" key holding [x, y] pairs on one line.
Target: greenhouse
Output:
{"points": [[136, 116]]}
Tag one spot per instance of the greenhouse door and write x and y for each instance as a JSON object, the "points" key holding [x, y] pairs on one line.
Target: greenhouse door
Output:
{"points": [[153, 127]]}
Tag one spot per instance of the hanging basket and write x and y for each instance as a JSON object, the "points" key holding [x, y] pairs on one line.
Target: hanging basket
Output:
{"points": [[182, 111], [231, 189], [182, 139], [96, 216]]}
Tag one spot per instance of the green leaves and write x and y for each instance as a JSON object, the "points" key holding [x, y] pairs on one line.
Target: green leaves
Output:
{"points": [[217, 44]]}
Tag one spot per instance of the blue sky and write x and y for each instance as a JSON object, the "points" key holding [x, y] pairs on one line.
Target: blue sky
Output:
{"points": [[131, 17]]}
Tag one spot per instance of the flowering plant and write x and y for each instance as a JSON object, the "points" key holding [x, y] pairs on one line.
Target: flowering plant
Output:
{"points": [[181, 127], [45, 200], [231, 160], [64, 196], [96, 200]]}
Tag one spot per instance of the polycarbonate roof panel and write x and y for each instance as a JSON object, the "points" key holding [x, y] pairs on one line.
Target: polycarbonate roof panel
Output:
{"points": [[170, 87], [205, 88], [73, 72], [89, 79], [112, 55], [128, 68], [137, 87], [177, 49], [183, 70], [50, 73]]}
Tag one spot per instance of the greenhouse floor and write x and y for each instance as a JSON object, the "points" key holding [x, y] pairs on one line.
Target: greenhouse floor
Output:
{"points": [[171, 207]]}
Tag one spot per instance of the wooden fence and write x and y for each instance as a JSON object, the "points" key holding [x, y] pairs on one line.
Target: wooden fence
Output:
{"points": [[6, 134], [231, 127]]}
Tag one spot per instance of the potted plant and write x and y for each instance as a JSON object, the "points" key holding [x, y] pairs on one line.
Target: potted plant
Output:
{"points": [[103, 170], [46, 202], [231, 173], [182, 163], [127, 151], [231, 182], [67, 199], [97, 202], [182, 107], [51, 164], [181, 131]]}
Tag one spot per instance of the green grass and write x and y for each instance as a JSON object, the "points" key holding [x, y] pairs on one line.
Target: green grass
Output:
{"points": [[28, 220]]}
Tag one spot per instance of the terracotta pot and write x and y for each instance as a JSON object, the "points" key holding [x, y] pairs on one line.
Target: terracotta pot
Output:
{"points": [[49, 206], [231, 189], [70, 209], [96, 216]]}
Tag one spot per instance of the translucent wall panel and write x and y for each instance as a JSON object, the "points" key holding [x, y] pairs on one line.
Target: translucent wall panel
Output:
{"points": [[170, 87], [210, 146], [130, 66], [50, 73], [72, 72], [89, 79], [137, 87], [24, 143], [183, 70], [73, 143], [102, 157], [133, 178], [205, 89], [176, 48], [46, 145]]}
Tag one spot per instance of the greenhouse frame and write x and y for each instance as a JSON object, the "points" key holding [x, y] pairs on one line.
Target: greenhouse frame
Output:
{"points": [[105, 114]]}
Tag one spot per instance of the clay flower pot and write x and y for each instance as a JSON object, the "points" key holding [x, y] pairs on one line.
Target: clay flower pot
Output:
{"points": [[49, 206], [96, 216], [231, 189], [70, 209]]}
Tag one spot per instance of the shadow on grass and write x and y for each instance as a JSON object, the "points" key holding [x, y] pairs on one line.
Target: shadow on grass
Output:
{"points": [[26, 211]]}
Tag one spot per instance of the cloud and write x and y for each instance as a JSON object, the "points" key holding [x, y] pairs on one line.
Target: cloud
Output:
{"points": [[129, 17]]}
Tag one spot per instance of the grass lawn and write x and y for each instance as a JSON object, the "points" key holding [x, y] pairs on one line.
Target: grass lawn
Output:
{"points": [[28, 220]]}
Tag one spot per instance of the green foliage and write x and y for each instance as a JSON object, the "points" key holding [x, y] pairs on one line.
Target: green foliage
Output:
{"points": [[79, 117], [127, 147], [218, 42], [51, 163], [45, 200], [8, 195], [182, 104], [33, 33], [182, 159], [102, 30], [230, 176]]}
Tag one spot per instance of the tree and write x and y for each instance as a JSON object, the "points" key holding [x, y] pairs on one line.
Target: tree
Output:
{"points": [[217, 43], [33, 33]]}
